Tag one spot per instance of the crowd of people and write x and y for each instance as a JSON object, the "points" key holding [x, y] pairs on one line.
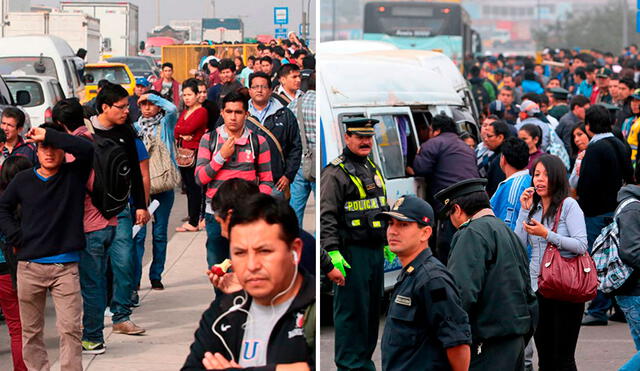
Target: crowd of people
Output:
{"points": [[78, 193]]}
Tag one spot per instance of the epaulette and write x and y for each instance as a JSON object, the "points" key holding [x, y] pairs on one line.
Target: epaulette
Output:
{"points": [[338, 160]]}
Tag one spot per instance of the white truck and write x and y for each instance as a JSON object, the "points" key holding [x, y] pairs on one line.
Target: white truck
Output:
{"points": [[118, 24], [222, 29], [77, 29]]}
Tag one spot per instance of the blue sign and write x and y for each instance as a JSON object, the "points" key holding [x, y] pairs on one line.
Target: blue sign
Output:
{"points": [[638, 20], [280, 15], [281, 33]]}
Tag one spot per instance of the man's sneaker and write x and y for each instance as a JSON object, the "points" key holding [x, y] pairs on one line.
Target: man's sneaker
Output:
{"points": [[157, 285], [89, 347], [127, 328], [135, 299]]}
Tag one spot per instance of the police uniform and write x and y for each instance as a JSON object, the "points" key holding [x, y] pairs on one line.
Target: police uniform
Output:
{"points": [[491, 268], [352, 193], [425, 314], [560, 109]]}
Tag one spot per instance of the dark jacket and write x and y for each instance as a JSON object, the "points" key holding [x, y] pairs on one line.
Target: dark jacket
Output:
{"points": [[134, 109], [443, 161], [629, 249], [564, 128], [284, 126], [287, 343], [22, 148], [219, 91], [606, 165], [495, 175]]}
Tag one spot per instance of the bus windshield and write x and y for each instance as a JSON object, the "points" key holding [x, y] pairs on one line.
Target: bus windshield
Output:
{"points": [[412, 19]]}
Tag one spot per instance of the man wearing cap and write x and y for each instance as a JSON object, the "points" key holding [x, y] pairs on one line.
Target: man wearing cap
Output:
{"points": [[426, 327], [142, 86], [558, 102], [491, 268], [600, 92], [506, 96], [352, 192]]}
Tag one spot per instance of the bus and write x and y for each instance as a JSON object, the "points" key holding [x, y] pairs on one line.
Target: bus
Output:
{"points": [[442, 26]]}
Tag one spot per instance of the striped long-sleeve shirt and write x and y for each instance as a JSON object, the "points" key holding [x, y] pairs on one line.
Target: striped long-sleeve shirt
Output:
{"points": [[212, 169]]}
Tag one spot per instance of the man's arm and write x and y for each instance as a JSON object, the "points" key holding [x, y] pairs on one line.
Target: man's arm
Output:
{"points": [[170, 110], [207, 163], [146, 179], [9, 225], [204, 340], [331, 201], [425, 160], [78, 146], [467, 266], [459, 357], [293, 149]]}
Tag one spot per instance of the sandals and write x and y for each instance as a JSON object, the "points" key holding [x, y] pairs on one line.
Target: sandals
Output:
{"points": [[186, 227]]}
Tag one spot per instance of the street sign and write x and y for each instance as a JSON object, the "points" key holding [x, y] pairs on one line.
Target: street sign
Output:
{"points": [[281, 33], [638, 20], [280, 15]]}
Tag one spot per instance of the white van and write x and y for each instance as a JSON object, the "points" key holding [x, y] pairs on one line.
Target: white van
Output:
{"points": [[42, 56], [402, 94]]}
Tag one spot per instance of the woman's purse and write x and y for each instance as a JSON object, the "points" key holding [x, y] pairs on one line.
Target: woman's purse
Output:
{"points": [[185, 157], [163, 173], [567, 279]]}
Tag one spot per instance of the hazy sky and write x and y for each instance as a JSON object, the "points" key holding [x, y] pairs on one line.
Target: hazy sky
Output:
{"points": [[257, 15]]}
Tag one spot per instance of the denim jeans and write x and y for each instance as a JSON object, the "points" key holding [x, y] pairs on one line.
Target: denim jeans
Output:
{"points": [[122, 258], [160, 239], [217, 246], [93, 267], [601, 304], [300, 191], [630, 305]]}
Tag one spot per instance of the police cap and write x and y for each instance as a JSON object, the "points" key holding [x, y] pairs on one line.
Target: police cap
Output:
{"points": [[603, 72], [410, 208], [462, 188], [559, 93], [360, 125]]}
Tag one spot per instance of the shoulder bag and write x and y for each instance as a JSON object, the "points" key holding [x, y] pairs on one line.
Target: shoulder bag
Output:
{"points": [[164, 175], [566, 279], [287, 191]]}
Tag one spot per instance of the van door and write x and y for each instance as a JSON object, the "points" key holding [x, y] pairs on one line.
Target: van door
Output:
{"points": [[77, 85]]}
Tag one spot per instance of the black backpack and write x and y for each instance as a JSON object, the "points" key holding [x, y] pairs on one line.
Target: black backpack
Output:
{"points": [[112, 184]]}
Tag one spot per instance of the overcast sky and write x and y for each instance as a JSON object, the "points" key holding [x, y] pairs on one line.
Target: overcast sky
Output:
{"points": [[257, 15]]}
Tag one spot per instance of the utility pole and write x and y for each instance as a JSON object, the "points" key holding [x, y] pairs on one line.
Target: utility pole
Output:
{"points": [[333, 19], [157, 13], [625, 25]]}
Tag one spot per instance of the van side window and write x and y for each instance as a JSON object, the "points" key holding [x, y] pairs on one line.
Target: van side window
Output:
{"points": [[392, 133], [67, 71]]}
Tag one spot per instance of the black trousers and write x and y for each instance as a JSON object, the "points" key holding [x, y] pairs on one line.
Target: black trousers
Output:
{"points": [[557, 334], [502, 354], [194, 194]]}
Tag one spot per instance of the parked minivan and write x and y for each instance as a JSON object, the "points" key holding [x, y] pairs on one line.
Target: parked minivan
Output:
{"points": [[43, 56]]}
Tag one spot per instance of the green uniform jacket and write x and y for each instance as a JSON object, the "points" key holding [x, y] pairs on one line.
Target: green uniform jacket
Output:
{"points": [[491, 269], [559, 111]]}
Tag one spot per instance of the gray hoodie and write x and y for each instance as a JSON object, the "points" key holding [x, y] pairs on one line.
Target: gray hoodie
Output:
{"points": [[628, 220]]}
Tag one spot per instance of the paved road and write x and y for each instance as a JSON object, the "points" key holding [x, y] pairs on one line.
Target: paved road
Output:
{"points": [[170, 316], [599, 348]]}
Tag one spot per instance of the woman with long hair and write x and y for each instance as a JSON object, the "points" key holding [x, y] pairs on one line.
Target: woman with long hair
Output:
{"points": [[579, 142], [532, 135], [191, 126], [559, 321]]}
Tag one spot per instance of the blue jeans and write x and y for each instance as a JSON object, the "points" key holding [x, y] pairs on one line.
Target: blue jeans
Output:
{"points": [[300, 191], [601, 304], [630, 305], [217, 246], [93, 267], [122, 257], [160, 239]]}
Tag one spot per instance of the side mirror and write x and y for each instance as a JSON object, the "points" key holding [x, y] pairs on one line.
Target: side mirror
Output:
{"points": [[23, 98], [142, 45]]}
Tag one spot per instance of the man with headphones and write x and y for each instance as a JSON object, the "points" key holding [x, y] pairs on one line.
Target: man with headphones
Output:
{"points": [[269, 321]]}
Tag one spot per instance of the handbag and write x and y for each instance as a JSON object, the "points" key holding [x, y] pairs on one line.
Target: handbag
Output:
{"points": [[185, 157], [567, 279], [162, 172], [309, 153]]}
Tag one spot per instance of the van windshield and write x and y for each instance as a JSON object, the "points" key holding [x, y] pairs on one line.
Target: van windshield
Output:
{"points": [[115, 75], [21, 66]]}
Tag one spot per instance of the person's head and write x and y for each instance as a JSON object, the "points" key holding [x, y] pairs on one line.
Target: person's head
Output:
{"points": [[142, 86], [579, 138], [213, 66], [544, 100], [147, 108], [234, 111], [442, 123], [590, 70], [265, 247], [228, 198], [634, 102], [463, 200], [359, 134], [227, 71], [485, 125], [474, 72], [506, 95], [633, 49], [190, 92], [528, 108], [580, 75], [250, 61], [12, 122], [10, 167], [239, 63], [514, 154], [532, 135], [409, 226], [167, 71], [309, 62], [68, 113], [625, 87], [260, 88], [579, 106], [266, 65], [603, 78], [112, 104], [469, 140], [549, 177], [298, 57], [508, 81], [289, 76], [496, 134], [49, 156], [554, 82], [614, 80], [597, 120]]}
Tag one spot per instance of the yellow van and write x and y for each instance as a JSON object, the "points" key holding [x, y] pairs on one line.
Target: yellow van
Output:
{"points": [[117, 73]]}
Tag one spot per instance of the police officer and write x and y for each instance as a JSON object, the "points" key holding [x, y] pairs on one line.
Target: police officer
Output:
{"points": [[560, 106], [426, 327], [352, 193], [491, 268]]}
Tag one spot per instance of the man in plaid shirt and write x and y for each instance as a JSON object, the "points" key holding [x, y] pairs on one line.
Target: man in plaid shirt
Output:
{"points": [[306, 115], [231, 151]]}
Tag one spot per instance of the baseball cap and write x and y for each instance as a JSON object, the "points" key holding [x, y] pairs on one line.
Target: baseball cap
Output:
{"points": [[603, 72], [497, 108], [529, 107], [410, 208], [636, 94], [142, 81]]}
